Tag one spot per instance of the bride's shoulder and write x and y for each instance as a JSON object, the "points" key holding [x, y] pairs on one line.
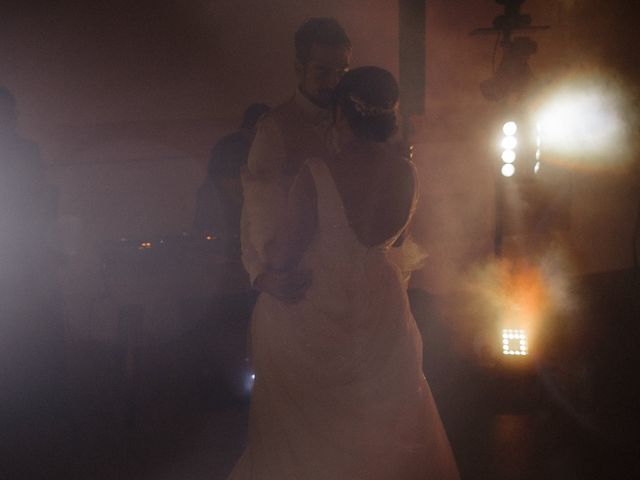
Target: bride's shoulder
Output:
{"points": [[397, 169]]}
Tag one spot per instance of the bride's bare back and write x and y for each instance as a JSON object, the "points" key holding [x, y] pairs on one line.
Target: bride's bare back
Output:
{"points": [[377, 188]]}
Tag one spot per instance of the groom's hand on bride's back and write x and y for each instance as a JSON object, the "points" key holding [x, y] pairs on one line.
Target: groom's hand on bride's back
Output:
{"points": [[288, 287]]}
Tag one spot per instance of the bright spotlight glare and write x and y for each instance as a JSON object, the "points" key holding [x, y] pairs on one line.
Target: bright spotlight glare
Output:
{"points": [[584, 122], [536, 168], [510, 128], [508, 170], [509, 143], [508, 156]]}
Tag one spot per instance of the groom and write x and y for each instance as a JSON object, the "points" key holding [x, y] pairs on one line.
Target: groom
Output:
{"points": [[286, 137]]}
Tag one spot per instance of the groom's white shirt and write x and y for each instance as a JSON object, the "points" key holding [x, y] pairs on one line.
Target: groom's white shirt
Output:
{"points": [[286, 137]]}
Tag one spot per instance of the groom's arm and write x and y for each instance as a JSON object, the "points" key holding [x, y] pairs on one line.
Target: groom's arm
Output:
{"points": [[268, 155], [299, 226], [263, 195], [283, 279]]}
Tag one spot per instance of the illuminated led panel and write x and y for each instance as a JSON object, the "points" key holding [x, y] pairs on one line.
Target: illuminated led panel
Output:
{"points": [[514, 342]]}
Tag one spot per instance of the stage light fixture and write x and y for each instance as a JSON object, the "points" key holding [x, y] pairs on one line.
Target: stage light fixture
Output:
{"points": [[510, 128], [509, 143], [514, 342], [508, 156], [508, 170]]}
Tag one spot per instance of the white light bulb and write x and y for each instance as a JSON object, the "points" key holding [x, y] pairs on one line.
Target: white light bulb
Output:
{"points": [[508, 156], [508, 170], [510, 128], [509, 143]]}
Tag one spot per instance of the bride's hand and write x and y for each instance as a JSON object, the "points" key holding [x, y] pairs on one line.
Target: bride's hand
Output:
{"points": [[288, 287]]}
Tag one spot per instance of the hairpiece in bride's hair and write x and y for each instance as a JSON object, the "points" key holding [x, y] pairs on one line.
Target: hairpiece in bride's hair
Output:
{"points": [[367, 110]]}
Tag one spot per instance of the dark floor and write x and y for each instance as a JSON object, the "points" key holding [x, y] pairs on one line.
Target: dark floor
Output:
{"points": [[503, 425], [176, 438]]}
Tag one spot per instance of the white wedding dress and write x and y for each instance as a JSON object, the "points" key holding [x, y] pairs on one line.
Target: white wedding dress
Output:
{"points": [[339, 391]]}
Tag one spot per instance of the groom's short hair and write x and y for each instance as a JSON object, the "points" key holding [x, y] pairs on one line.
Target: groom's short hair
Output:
{"points": [[322, 31]]}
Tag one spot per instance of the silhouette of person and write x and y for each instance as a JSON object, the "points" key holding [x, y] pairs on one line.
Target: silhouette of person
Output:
{"points": [[218, 209], [31, 329], [23, 212], [290, 134], [219, 198]]}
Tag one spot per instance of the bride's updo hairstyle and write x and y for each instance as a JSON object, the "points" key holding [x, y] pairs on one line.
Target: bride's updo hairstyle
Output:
{"points": [[368, 98]]}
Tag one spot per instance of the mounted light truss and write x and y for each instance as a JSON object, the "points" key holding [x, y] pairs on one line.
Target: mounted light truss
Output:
{"points": [[517, 149], [509, 143]]}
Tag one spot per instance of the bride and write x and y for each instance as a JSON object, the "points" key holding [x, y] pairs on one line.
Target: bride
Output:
{"points": [[339, 391]]}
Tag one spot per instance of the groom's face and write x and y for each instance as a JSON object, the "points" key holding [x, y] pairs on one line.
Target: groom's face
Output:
{"points": [[320, 75]]}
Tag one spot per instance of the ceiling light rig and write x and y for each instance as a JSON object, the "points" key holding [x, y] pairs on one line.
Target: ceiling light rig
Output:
{"points": [[513, 75]]}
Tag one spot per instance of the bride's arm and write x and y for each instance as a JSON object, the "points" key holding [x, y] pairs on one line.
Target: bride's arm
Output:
{"points": [[299, 227]]}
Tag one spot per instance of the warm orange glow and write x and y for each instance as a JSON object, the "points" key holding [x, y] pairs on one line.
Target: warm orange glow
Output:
{"points": [[525, 287], [515, 298]]}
